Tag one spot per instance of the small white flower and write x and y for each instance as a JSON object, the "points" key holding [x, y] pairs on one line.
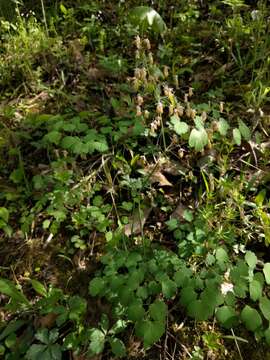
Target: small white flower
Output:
{"points": [[226, 287]]}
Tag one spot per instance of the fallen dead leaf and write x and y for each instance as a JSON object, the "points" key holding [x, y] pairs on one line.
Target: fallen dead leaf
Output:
{"points": [[137, 221]]}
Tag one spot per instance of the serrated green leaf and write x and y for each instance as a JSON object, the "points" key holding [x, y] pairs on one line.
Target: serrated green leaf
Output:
{"points": [[251, 318], [118, 347], [69, 141], [244, 130], [97, 341], [198, 139], [237, 136], [168, 288], [158, 310], [135, 311], [264, 305], [77, 307], [35, 352], [149, 331], [251, 259], [4, 214], [266, 271], [187, 295], [227, 316], [223, 127], [53, 137], [255, 290], [96, 286]]}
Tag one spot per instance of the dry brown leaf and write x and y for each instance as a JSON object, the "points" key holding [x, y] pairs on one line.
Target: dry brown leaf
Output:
{"points": [[47, 321], [179, 212], [158, 177], [137, 221]]}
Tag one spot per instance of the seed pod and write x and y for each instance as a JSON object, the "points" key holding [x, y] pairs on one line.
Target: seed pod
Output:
{"points": [[146, 114], [159, 108], [147, 43], [171, 110], [186, 98], [176, 81], [192, 113], [138, 110], [137, 73], [190, 92], [137, 54], [139, 100], [166, 71], [143, 74], [138, 42], [204, 115], [180, 110], [221, 106], [150, 58]]}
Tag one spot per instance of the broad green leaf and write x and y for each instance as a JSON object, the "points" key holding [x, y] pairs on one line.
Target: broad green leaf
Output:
{"points": [[97, 341], [146, 17], [199, 310], [255, 290], [54, 137], [118, 347], [135, 311], [168, 288], [12, 327], [237, 136], [43, 336], [251, 318], [158, 310], [264, 305], [179, 127], [77, 307], [4, 214], [187, 215], [39, 288], [223, 127], [68, 142], [227, 316], [149, 331], [266, 271], [198, 139], [35, 352], [267, 336], [9, 289], [55, 352], [100, 146], [221, 255], [244, 130], [96, 286], [251, 259], [187, 295]]}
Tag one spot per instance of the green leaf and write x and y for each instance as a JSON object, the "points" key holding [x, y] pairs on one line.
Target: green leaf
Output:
{"points": [[68, 142], [158, 310], [199, 310], [221, 255], [266, 271], [4, 214], [146, 17], [244, 130], [179, 127], [54, 137], [36, 352], [55, 352], [251, 318], [198, 139], [237, 136], [135, 311], [97, 341], [251, 259], [255, 290], [227, 316], [168, 288], [39, 288], [264, 305], [43, 336], [9, 289], [96, 286], [77, 307], [149, 331], [187, 295], [187, 215], [118, 347], [223, 127], [12, 327]]}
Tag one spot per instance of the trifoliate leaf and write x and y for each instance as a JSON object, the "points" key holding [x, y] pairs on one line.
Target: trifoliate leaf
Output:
{"points": [[223, 127], [244, 130], [264, 305], [227, 316], [237, 136], [158, 310], [251, 259], [266, 271], [251, 318], [198, 139], [255, 290]]}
